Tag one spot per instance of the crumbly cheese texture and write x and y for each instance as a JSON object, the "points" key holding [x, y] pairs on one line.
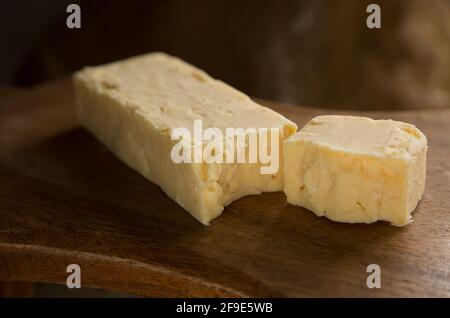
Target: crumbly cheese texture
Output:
{"points": [[132, 106], [356, 169]]}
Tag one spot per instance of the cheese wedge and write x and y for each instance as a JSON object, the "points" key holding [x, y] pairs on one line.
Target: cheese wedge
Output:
{"points": [[355, 169], [134, 105]]}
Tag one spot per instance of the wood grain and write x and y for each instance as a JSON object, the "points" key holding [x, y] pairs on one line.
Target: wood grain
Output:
{"points": [[16, 289], [64, 198]]}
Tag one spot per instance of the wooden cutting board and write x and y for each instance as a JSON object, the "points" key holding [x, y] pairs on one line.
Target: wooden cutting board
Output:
{"points": [[64, 198]]}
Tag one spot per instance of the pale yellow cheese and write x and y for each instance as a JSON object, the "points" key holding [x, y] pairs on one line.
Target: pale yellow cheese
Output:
{"points": [[355, 169], [132, 106]]}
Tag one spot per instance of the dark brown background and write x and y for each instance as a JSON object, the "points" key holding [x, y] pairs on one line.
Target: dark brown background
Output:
{"points": [[311, 52]]}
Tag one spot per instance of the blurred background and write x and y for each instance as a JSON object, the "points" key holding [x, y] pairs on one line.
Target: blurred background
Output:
{"points": [[309, 52]]}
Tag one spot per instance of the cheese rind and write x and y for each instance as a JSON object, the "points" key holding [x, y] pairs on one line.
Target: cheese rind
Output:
{"points": [[355, 169], [132, 106]]}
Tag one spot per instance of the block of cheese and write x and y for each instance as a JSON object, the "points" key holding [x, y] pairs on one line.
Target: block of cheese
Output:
{"points": [[132, 106], [356, 169]]}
